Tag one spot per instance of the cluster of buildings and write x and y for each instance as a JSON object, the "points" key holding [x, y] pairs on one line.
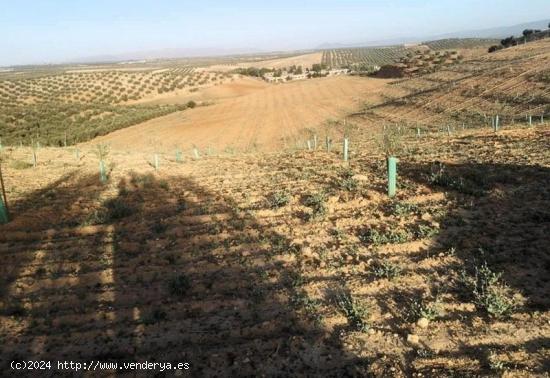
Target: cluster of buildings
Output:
{"points": [[285, 76]]}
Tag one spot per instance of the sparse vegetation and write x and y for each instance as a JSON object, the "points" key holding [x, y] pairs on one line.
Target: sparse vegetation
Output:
{"points": [[347, 181], [355, 311], [386, 269], [194, 258], [179, 285], [375, 237], [317, 203], [398, 208], [278, 199], [117, 209], [391, 141], [419, 309], [489, 292]]}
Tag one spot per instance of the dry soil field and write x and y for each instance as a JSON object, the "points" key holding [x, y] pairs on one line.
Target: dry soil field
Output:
{"points": [[294, 262], [263, 116], [305, 60]]}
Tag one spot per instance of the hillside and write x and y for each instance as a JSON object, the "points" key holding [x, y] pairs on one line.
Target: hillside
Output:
{"points": [[383, 55], [291, 262], [511, 83], [268, 118], [71, 106], [301, 261]]}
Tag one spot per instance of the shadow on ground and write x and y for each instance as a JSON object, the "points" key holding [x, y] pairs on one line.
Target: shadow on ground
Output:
{"points": [[165, 271]]}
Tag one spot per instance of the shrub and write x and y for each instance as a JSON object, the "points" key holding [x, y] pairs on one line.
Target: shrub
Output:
{"points": [[374, 237], [391, 141], [347, 182], [13, 309], [145, 181], [155, 316], [386, 269], [402, 208], [117, 209], [425, 231], [179, 285], [18, 164], [439, 176], [278, 199], [419, 309], [310, 305], [99, 216], [355, 312], [317, 204], [489, 292]]}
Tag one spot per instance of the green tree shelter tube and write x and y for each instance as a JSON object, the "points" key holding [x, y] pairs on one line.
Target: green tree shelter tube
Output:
{"points": [[346, 149], [3, 212], [156, 162], [392, 176], [4, 215], [102, 172]]}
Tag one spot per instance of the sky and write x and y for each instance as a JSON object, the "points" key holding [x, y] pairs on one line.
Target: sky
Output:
{"points": [[55, 31]]}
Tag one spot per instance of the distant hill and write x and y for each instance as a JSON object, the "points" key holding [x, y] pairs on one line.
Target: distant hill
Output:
{"points": [[166, 54], [498, 33]]}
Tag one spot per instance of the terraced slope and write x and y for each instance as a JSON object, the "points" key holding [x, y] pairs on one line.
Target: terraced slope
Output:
{"points": [[512, 83], [460, 43], [284, 264], [366, 56]]}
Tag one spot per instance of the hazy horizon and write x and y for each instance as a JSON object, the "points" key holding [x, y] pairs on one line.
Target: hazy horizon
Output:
{"points": [[39, 33]]}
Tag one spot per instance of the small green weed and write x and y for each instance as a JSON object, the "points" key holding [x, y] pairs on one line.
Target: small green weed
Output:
{"points": [[386, 269], [179, 285], [317, 204], [117, 208], [278, 199], [489, 292], [397, 208], [346, 181], [375, 237], [420, 309], [355, 311]]}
